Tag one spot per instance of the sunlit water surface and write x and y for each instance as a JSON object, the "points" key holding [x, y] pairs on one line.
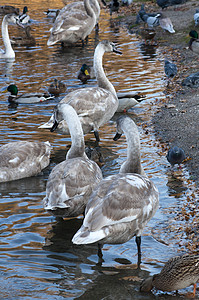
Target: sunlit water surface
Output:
{"points": [[37, 258]]}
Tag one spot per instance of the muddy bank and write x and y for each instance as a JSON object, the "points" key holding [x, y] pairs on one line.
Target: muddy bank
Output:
{"points": [[177, 121]]}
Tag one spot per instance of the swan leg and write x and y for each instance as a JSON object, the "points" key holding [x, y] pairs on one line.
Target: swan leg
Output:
{"points": [[96, 133], [138, 242], [99, 252]]}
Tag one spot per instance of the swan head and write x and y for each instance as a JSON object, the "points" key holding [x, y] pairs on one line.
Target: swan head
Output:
{"points": [[109, 46], [13, 19], [123, 122]]}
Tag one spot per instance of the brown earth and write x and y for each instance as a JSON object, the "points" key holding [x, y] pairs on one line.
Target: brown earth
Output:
{"points": [[177, 121]]}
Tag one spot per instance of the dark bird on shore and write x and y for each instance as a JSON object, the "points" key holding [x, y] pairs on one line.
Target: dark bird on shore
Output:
{"points": [[196, 17], [191, 80], [170, 69], [114, 6], [179, 272], [194, 41], [143, 15], [175, 155], [166, 3]]}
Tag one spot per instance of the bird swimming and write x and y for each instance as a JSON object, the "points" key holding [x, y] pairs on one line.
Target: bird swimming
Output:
{"points": [[26, 98]]}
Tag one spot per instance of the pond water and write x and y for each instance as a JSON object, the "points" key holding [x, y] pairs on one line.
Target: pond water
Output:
{"points": [[37, 258]]}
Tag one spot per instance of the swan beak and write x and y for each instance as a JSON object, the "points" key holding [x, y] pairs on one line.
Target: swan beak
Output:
{"points": [[117, 136], [20, 24], [54, 127], [117, 51]]}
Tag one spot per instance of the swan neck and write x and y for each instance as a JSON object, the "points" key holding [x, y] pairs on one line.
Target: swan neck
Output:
{"points": [[133, 161], [6, 40], [77, 137], [102, 80], [88, 8]]}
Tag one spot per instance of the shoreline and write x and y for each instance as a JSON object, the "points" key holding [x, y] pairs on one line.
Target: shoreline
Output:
{"points": [[177, 120]]}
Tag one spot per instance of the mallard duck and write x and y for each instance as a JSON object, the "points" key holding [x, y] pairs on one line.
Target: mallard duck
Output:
{"points": [[194, 41], [85, 73], [8, 19], [94, 105], [57, 87], [24, 18], [178, 273], [175, 155], [196, 17], [52, 13], [23, 159], [72, 26], [147, 34], [26, 98], [121, 205], [27, 40], [8, 9], [71, 182]]}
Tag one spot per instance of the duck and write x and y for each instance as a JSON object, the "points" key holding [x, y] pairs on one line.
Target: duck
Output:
{"points": [[147, 34], [194, 41], [85, 73], [57, 87], [166, 24], [71, 26], [24, 18], [122, 204], [126, 100], [27, 40], [52, 13], [21, 159], [178, 273], [7, 20], [26, 98], [175, 155], [94, 105], [71, 182], [8, 9], [196, 17]]}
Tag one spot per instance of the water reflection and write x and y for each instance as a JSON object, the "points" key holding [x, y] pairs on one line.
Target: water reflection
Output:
{"points": [[37, 258]]}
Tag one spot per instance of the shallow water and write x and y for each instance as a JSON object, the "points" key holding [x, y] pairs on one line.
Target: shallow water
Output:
{"points": [[37, 258]]}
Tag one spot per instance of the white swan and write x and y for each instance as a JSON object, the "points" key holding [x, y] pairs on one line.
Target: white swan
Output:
{"points": [[79, 5], [23, 159], [7, 20], [122, 204], [71, 182], [72, 26], [95, 105]]}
